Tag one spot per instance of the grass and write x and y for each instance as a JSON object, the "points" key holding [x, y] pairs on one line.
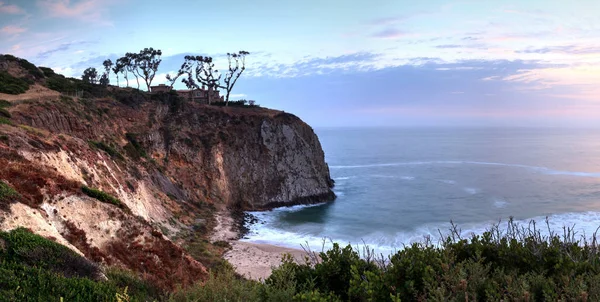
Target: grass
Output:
{"points": [[102, 196]]}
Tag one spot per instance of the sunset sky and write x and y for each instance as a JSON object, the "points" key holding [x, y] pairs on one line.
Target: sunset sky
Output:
{"points": [[347, 63]]}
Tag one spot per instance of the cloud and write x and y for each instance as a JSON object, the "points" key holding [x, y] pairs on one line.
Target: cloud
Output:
{"points": [[563, 49], [449, 46], [389, 33], [62, 47], [85, 10], [10, 9], [418, 92], [12, 30]]}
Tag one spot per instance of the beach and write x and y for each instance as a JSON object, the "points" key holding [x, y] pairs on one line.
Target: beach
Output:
{"points": [[251, 260]]}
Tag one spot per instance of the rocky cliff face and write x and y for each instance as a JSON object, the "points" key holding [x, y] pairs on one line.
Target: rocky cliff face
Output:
{"points": [[169, 163]]}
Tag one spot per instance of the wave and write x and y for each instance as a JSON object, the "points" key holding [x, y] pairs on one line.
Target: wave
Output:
{"points": [[544, 170], [584, 223], [471, 191]]}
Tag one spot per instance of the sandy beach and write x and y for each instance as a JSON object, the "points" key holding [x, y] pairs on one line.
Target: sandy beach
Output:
{"points": [[252, 260]]}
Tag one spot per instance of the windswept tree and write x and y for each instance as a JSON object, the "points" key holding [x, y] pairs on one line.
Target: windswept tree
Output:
{"points": [[107, 67], [237, 65], [90, 75], [130, 63], [146, 64], [118, 68], [122, 65], [173, 79], [201, 71]]}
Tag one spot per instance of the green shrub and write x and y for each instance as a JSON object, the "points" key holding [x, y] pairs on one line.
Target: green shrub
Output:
{"points": [[137, 288], [220, 287], [28, 66], [516, 264], [7, 195], [5, 103], [33, 268], [134, 149], [4, 113], [5, 121], [106, 148], [102, 196], [12, 85], [48, 72], [239, 103]]}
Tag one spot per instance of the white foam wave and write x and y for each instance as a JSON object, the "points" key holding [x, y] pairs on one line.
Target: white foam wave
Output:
{"points": [[584, 223], [342, 178], [499, 203], [338, 193], [447, 181], [407, 177], [471, 191], [544, 170]]}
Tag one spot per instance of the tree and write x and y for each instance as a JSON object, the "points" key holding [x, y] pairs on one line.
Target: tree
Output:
{"points": [[130, 62], [146, 64], [104, 81], [200, 70], [117, 68], [90, 75], [121, 66], [107, 66], [237, 65], [173, 79]]}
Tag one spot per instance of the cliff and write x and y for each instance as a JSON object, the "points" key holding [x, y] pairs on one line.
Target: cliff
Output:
{"points": [[153, 168]]}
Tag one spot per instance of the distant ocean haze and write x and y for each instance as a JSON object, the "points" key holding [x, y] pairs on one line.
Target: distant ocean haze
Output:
{"points": [[396, 186]]}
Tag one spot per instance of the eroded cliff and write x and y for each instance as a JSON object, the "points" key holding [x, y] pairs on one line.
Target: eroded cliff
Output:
{"points": [[169, 164]]}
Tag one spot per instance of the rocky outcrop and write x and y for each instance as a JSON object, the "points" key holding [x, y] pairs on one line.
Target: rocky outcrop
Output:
{"points": [[170, 164]]}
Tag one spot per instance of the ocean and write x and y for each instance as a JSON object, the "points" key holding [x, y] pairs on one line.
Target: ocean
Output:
{"points": [[395, 186]]}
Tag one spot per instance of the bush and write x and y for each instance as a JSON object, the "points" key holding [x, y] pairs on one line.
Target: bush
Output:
{"points": [[518, 264], [239, 103], [28, 66], [134, 149], [102, 196], [7, 196], [12, 85], [5, 121], [48, 72], [35, 268], [106, 148]]}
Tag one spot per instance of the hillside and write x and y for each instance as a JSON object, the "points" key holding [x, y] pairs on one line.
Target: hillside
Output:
{"points": [[133, 180]]}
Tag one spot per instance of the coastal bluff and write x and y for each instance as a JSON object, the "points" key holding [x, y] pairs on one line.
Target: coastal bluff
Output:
{"points": [[133, 179]]}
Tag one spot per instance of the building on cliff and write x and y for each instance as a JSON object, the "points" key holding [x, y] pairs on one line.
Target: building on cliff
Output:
{"points": [[197, 95]]}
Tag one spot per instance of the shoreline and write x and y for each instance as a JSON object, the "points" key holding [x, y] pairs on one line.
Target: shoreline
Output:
{"points": [[251, 260]]}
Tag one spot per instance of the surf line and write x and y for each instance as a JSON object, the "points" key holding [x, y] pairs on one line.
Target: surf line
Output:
{"points": [[544, 170]]}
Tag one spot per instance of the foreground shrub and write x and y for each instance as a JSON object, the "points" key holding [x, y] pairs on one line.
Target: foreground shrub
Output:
{"points": [[33, 268], [518, 263], [12, 85], [101, 196]]}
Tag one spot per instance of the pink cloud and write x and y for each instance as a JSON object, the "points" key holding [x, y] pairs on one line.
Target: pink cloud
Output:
{"points": [[88, 10], [10, 9], [12, 30]]}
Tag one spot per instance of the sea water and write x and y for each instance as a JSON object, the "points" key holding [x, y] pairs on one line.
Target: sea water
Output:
{"points": [[398, 186]]}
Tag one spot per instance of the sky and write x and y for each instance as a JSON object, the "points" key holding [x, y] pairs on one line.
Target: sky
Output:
{"points": [[347, 63]]}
